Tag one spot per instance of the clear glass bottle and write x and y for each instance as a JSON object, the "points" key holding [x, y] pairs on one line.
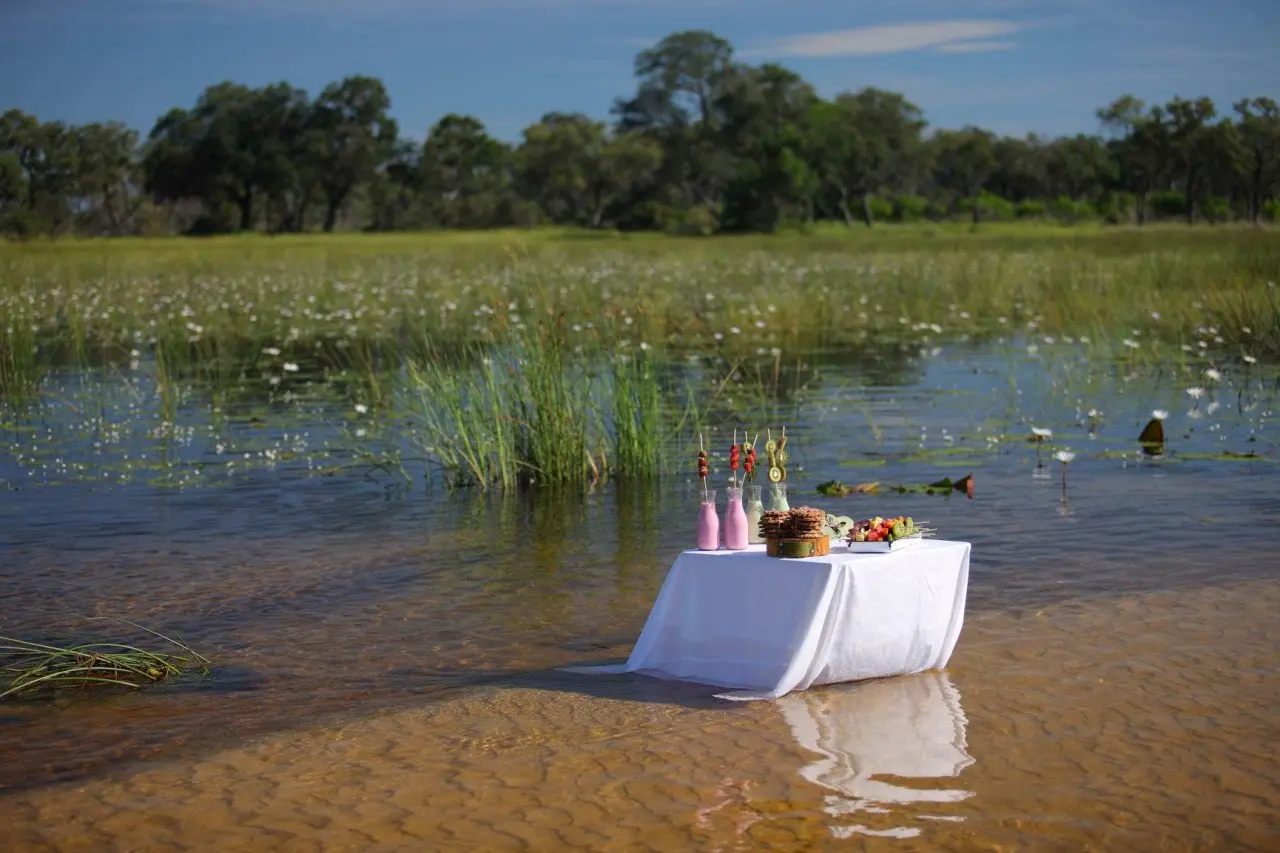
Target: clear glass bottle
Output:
{"points": [[778, 497], [755, 509]]}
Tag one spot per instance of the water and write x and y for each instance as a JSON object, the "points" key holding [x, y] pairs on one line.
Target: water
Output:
{"points": [[385, 655]]}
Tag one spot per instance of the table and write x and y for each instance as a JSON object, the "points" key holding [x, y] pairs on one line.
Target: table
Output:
{"points": [[767, 626]]}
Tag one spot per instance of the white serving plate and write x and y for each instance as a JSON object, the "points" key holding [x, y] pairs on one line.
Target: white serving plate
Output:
{"points": [[883, 547]]}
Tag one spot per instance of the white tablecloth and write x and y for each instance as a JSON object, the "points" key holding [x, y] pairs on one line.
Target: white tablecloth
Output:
{"points": [[768, 626]]}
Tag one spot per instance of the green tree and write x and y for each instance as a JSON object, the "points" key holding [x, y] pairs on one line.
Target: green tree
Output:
{"points": [[1192, 143], [964, 161], [1259, 129], [237, 145], [107, 177], [355, 133], [864, 143], [764, 124], [395, 188], [464, 174], [681, 81], [1141, 147], [45, 156]]}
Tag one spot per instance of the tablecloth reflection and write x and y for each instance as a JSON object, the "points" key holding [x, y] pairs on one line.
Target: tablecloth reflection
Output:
{"points": [[910, 728]]}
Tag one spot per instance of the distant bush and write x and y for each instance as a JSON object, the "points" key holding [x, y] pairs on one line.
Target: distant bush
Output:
{"points": [[1029, 209], [1215, 209], [910, 208], [698, 220], [881, 209], [1167, 203], [1066, 209], [990, 207]]}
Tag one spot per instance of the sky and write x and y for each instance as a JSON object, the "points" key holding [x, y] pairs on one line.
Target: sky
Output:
{"points": [[1012, 66]]}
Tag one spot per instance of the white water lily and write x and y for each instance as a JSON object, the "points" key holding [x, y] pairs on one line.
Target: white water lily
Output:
{"points": [[1159, 414], [1248, 359], [290, 367], [1213, 374], [1195, 393], [271, 351], [1095, 414], [361, 408], [1041, 433], [1213, 407], [1064, 456]]}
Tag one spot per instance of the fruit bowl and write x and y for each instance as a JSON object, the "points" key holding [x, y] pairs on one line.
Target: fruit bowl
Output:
{"points": [[885, 547], [881, 535]]}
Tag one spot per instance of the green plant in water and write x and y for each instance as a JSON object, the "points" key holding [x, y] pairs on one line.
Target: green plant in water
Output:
{"points": [[553, 400], [638, 423], [464, 423], [40, 667]]}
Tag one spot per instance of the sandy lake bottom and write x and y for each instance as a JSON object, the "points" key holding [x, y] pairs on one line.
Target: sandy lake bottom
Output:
{"points": [[1138, 722]]}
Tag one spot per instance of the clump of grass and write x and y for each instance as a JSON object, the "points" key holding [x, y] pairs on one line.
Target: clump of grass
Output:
{"points": [[539, 413], [554, 397], [461, 421], [638, 417], [35, 668], [21, 368]]}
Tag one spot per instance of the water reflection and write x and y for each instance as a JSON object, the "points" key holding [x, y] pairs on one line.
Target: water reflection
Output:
{"points": [[911, 728]]}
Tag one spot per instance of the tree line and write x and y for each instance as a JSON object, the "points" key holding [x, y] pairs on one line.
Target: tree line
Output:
{"points": [[704, 144]]}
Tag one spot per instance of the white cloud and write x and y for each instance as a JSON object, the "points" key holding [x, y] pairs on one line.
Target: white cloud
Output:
{"points": [[974, 46], [890, 38]]}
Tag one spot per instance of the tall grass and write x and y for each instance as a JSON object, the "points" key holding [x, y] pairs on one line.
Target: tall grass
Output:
{"points": [[554, 402], [538, 412], [461, 422], [639, 422], [367, 304], [522, 358]]}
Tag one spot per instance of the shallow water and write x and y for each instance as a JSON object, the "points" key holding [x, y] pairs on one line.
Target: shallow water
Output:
{"points": [[385, 657], [1137, 722]]}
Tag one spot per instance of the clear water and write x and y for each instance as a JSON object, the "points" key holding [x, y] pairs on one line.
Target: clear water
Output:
{"points": [[385, 655]]}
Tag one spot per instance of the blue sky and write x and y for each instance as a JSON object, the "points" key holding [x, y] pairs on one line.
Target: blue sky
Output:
{"points": [[1009, 65]]}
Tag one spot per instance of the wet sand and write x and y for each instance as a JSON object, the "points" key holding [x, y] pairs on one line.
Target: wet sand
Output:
{"points": [[1145, 722]]}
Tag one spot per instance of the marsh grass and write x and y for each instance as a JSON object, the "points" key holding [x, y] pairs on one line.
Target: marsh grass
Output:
{"points": [[36, 668], [639, 417], [367, 304], [540, 413], [515, 358]]}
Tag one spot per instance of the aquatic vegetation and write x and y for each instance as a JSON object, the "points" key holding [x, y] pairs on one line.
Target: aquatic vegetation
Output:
{"points": [[184, 363], [35, 668]]}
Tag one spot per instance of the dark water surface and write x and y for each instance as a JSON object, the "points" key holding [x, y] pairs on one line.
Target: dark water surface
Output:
{"points": [[329, 600]]}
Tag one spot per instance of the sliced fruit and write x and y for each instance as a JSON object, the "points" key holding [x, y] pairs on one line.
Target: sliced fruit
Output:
{"points": [[775, 474]]}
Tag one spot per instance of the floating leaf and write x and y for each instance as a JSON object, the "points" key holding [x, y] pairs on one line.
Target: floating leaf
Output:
{"points": [[836, 489]]}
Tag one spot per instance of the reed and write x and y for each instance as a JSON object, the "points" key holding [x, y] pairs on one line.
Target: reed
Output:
{"points": [[639, 417]]}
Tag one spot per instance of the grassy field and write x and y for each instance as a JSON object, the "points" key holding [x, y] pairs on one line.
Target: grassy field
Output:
{"points": [[487, 341]]}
